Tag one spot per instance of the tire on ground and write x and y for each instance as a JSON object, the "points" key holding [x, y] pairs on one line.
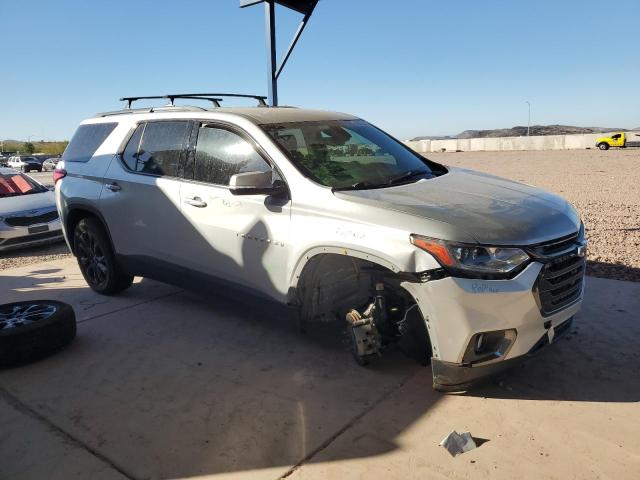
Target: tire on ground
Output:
{"points": [[27, 342], [116, 279]]}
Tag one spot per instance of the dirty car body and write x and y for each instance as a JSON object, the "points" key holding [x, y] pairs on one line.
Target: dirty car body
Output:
{"points": [[329, 216]]}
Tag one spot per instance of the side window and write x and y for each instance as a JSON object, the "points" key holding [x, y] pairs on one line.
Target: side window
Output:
{"points": [[86, 141], [130, 154], [616, 136], [161, 147], [221, 153], [157, 147]]}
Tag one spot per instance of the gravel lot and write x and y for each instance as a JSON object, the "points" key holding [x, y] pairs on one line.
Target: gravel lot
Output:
{"points": [[27, 256], [603, 186]]}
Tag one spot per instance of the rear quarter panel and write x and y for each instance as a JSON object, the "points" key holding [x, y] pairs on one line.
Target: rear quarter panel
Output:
{"points": [[83, 183]]}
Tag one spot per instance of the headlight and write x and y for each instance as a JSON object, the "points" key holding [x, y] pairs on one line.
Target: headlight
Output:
{"points": [[474, 260]]}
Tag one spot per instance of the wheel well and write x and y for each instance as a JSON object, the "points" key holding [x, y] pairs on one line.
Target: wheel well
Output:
{"points": [[330, 284], [74, 216]]}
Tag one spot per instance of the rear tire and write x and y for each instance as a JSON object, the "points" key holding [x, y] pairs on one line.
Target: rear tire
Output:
{"points": [[603, 146], [96, 259]]}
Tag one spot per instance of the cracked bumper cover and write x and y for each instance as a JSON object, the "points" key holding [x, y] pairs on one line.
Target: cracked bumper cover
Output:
{"points": [[454, 377], [455, 309]]}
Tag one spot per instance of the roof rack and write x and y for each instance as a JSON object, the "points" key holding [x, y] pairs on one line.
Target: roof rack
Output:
{"points": [[212, 97]]}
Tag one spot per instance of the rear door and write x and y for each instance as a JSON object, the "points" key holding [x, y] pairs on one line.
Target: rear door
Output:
{"points": [[243, 239], [141, 195]]}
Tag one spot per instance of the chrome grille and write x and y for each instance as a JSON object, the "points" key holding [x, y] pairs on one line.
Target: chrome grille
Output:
{"points": [[556, 247], [562, 276], [27, 220]]}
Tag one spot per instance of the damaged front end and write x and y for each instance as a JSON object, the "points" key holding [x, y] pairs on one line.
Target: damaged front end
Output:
{"points": [[378, 312], [390, 319]]}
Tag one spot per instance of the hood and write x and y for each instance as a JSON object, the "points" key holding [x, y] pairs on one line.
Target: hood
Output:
{"points": [[490, 209], [22, 203]]}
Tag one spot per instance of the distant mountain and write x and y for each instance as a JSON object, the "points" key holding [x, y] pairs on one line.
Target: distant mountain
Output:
{"points": [[433, 137], [520, 131]]}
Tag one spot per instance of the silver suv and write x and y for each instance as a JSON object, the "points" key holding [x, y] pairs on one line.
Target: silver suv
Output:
{"points": [[330, 217]]}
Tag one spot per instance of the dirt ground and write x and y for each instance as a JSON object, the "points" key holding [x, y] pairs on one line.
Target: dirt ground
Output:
{"points": [[603, 185]]}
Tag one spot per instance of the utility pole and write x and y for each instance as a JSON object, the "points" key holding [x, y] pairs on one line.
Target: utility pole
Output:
{"points": [[528, 117]]}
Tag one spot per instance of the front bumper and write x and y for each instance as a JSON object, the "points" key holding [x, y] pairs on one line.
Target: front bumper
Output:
{"points": [[20, 237], [453, 377], [456, 309]]}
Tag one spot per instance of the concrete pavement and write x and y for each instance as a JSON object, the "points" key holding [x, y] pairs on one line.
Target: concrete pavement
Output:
{"points": [[162, 383]]}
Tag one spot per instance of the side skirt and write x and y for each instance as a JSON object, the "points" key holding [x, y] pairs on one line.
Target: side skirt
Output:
{"points": [[199, 282]]}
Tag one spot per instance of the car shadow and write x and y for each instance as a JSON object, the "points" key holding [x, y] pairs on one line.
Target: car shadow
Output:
{"points": [[619, 271], [207, 385]]}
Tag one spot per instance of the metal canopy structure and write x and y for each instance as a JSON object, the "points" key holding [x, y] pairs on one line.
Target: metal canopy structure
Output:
{"points": [[304, 7]]}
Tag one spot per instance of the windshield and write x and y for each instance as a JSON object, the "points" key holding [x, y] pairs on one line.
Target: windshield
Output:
{"points": [[13, 184], [350, 154]]}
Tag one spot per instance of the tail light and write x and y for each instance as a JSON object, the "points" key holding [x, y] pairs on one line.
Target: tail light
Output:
{"points": [[59, 174]]}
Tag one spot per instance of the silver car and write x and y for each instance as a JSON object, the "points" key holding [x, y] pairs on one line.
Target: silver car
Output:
{"points": [[328, 216], [49, 165], [28, 215]]}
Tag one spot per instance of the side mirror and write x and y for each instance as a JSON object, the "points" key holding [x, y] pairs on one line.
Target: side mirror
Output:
{"points": [[256, 183]]}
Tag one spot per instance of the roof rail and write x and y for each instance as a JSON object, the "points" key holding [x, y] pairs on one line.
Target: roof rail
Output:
{"points": [[163, 108], [212, 97]]}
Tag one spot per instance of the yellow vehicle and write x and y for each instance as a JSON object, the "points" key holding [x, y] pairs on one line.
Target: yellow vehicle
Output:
{"points": [[620, 139]]}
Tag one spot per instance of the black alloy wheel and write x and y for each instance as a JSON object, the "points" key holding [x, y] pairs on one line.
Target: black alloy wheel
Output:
{"points": [[96, 259]]}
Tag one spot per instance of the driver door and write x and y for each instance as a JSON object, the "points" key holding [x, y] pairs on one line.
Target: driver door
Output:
{"points": [[617, 140]]}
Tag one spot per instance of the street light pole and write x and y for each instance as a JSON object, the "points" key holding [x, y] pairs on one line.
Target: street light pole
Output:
{"points": [[528, 117], [306, 8], [270, 20]]}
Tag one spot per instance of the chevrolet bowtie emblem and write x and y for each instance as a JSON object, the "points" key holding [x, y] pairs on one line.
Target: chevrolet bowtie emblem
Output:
{"points": [[581, 251]]}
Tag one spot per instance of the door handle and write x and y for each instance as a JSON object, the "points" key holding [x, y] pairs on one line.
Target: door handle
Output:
{"points": [[114, 187], [195, 202]]}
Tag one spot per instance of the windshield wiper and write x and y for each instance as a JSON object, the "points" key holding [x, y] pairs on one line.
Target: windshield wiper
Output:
{"points": [[392, 181], [358, 186], [407, 176]]}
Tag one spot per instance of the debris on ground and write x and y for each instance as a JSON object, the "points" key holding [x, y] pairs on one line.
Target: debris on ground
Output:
{"points": [[456, 443]]}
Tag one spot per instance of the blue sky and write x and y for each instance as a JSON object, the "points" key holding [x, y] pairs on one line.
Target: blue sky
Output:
{"points": [[414, 67]]}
